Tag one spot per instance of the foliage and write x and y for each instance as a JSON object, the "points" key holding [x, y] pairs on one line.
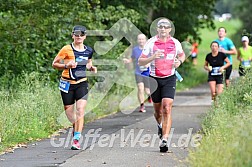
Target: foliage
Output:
{"points": [[180, 12], [226, 6], [32, 32], [228, 129], [240, 10], [244, 13]]}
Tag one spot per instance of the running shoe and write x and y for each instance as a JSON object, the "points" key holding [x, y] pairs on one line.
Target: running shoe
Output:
{"points": [[163, 146], [142, 109], [160, 133], [75, 145], [149, 99]]}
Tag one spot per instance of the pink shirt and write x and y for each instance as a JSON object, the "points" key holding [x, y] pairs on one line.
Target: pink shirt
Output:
{"points": [[162, 67]]}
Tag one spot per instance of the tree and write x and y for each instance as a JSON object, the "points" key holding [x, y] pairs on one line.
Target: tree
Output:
{"points": [[243, 11], [33, 31], [184, 14]]}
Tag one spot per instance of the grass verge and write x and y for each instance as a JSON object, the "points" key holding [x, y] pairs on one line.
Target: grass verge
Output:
{"points": [[228, 129], [29, 111]]}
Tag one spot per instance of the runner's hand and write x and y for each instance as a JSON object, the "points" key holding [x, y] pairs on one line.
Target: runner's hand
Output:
{"points": [[177, 63], [210, 68], [158, 54], [93, 69], [71, 64], [223, 50], [221, 69], [126, 61]]}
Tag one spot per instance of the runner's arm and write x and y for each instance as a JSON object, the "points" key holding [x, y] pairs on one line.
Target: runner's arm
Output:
{"points": [[127, 61], [90, 66], [144, 60], [226, 65], [206, 67], [233, 51], [61, 66], [239, 56]]}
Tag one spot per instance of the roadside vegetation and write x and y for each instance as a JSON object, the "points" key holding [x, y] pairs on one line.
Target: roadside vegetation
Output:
{"points": [[227, 129]]}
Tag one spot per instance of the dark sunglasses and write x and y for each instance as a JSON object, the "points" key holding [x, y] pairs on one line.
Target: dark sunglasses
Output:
{"points": [[79, 33], [162, 26]]}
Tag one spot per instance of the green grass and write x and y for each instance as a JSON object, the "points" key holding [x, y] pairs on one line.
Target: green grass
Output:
{"points": [[228, 129], [29, 111], [232, 26]]}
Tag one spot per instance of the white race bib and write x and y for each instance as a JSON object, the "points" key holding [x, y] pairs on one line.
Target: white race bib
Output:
{"points": [[246, 63], [169, 56], [215, 71]]}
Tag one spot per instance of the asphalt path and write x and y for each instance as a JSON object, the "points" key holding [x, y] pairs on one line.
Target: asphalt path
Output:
{"points": [[122, 139]]}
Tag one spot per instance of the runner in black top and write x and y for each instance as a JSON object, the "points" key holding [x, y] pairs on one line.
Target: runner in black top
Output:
{"points": [[214, 65]]}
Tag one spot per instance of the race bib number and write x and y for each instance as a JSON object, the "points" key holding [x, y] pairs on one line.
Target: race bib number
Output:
{"points": [[64, 86], [215, 71], [143, 68], [169, 56], [246, 63]]}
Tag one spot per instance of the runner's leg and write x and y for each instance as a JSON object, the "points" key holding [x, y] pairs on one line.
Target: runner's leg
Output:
{"points": [[212, 85], [167, 118]]}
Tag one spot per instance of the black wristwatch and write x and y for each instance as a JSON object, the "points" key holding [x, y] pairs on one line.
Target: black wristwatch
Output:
{"points": [[65, 66]]}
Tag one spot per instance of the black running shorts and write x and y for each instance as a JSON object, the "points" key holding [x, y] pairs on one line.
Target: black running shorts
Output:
{"points": [[162, 88], [76, 92], [217, 78]]}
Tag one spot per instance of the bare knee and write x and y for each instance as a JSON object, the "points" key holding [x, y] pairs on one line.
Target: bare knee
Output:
{"points": [[167, 109], [80, 112], [158, 114]]}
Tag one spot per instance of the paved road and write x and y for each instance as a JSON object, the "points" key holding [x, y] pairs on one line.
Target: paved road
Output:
{"points": [[122, 140]]}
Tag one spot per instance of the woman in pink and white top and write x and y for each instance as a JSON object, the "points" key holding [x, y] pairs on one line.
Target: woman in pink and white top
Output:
{"points": [[165, 54]]}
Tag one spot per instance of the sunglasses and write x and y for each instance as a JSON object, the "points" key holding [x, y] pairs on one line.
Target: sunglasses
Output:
{"points": [[163, 26], [79, 33]]}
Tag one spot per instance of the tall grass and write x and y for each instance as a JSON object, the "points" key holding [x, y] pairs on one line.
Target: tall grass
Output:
{"points": [[228, 129], [29, 110]]}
